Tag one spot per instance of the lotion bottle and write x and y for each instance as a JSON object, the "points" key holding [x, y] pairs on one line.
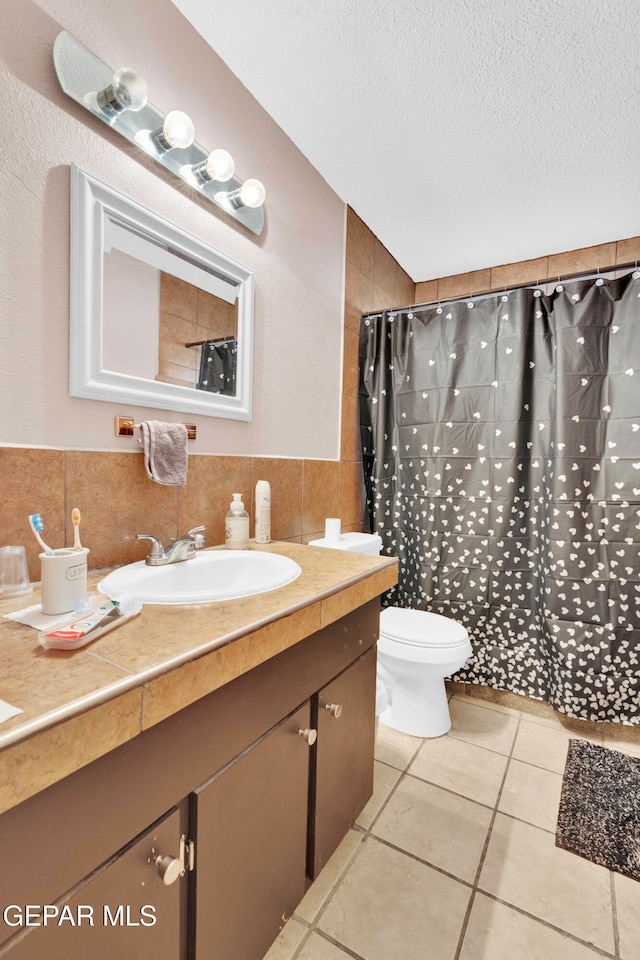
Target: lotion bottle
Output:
{"points": [[236, 525], [263, 511]]}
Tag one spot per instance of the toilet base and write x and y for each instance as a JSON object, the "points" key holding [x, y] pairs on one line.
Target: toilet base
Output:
{"points": [[420, 709]]}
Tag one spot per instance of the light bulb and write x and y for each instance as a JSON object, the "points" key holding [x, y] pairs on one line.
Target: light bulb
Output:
{"points": [[218, 166], [252, 193], [127, 91], [177, 131]]}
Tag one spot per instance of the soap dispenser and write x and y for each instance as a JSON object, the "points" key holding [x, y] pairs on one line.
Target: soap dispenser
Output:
{"points": [[236, 525]]}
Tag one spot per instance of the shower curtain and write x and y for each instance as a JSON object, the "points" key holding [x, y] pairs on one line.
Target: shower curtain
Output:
{"points": [[218, 361], [501, 452]]}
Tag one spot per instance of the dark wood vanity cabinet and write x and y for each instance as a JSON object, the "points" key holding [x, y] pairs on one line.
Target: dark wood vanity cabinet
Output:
{"points": [[343, 770], [237, 781], [251, 872]]}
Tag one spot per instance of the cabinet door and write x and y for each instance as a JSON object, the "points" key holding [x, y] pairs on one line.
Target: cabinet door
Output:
{"points": [[344, 756], [123, 911], [251, 829]]}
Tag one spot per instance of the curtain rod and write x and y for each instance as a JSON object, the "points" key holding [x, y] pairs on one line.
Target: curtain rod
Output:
{"points": [[200, 343], [605, 273]]}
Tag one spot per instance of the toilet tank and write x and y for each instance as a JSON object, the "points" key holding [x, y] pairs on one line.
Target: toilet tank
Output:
{"points": [[369, 543]]}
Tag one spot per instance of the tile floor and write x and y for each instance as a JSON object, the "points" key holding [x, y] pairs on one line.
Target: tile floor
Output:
{"points": [[454, 857]]}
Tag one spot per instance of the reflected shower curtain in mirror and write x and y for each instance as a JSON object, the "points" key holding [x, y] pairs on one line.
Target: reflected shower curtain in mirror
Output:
{"points": [[501, 449], [218, 362]]}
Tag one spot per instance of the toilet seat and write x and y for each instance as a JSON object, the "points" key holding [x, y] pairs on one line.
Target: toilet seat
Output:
{"points": [[419, 628]]}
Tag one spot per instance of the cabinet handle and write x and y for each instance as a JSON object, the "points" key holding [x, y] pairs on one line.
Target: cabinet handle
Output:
{"points": [[169, 869], [309, 736], [334, 709]]}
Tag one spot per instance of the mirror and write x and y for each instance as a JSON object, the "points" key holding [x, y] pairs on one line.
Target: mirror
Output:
{"points": [[158, 318]]}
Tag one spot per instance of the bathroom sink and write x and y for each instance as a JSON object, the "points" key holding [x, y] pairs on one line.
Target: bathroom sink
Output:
{"points": [[210, 575]]}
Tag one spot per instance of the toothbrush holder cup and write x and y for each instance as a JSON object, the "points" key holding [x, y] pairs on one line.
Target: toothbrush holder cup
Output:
{"points": [[64, 579]]}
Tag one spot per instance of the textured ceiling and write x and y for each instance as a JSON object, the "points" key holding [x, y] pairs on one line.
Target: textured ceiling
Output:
{"points": [[465, 133]]}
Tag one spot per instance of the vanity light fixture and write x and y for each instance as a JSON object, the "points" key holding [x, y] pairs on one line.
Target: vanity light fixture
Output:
{"points": [[120, 100]]}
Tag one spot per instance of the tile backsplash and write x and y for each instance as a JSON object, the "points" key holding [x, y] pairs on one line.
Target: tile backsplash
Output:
{"points": [[117, 500]]}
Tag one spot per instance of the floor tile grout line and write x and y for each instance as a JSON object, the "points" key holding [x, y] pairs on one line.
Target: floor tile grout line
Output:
{"points": [[528, 823], [335, 886], [473, 743], [341, 946], [403, 774], [487, 840], [297, 950], [614, 915], [547, 923], [536, 766], [311, 929], [421, 860], [453, 793]]}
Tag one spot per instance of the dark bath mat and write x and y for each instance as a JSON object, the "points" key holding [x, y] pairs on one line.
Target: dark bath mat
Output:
{"points": [[599, 816]]}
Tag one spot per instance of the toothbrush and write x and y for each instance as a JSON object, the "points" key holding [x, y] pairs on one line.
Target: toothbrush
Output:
{"points": [[36, 524], [75, 517]]}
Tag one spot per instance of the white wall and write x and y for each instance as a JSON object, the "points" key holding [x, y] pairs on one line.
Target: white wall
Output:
{"points": [[298, 260]]}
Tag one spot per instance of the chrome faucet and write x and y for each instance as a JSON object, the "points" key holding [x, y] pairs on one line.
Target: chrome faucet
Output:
{"points": [[184, 548]]}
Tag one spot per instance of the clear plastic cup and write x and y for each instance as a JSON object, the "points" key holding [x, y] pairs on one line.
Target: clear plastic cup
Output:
{"points": [[14, 573]]}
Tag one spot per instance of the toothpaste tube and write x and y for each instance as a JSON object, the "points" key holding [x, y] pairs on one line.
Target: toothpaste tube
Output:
{"points": [[102, 615]]}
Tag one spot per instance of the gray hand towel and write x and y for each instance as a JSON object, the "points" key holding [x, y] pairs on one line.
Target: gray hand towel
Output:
{"points": [[165, 452]]}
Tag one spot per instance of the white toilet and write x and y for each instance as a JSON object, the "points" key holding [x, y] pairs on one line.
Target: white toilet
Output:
{"points": [[416, 651]]}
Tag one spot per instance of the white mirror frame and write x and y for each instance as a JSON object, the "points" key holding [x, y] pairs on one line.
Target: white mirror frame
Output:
{"points": [[91, 202]]}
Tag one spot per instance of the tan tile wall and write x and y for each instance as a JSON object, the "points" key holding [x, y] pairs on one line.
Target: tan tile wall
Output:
{"points": [[553, 267], [188, 314], [373, 280]]}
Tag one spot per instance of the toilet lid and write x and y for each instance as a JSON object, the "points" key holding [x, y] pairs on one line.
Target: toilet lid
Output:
{"points": [[419, 628]]}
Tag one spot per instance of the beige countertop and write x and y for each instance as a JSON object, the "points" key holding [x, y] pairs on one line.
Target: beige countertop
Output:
{"points": [[79, 705]]}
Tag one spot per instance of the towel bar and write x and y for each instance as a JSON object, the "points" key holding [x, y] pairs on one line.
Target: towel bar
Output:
{"points": [[124, 427]]}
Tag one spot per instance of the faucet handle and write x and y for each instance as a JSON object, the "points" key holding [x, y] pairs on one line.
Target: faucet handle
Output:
{"points": [[198, 538], [157, 550]]}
